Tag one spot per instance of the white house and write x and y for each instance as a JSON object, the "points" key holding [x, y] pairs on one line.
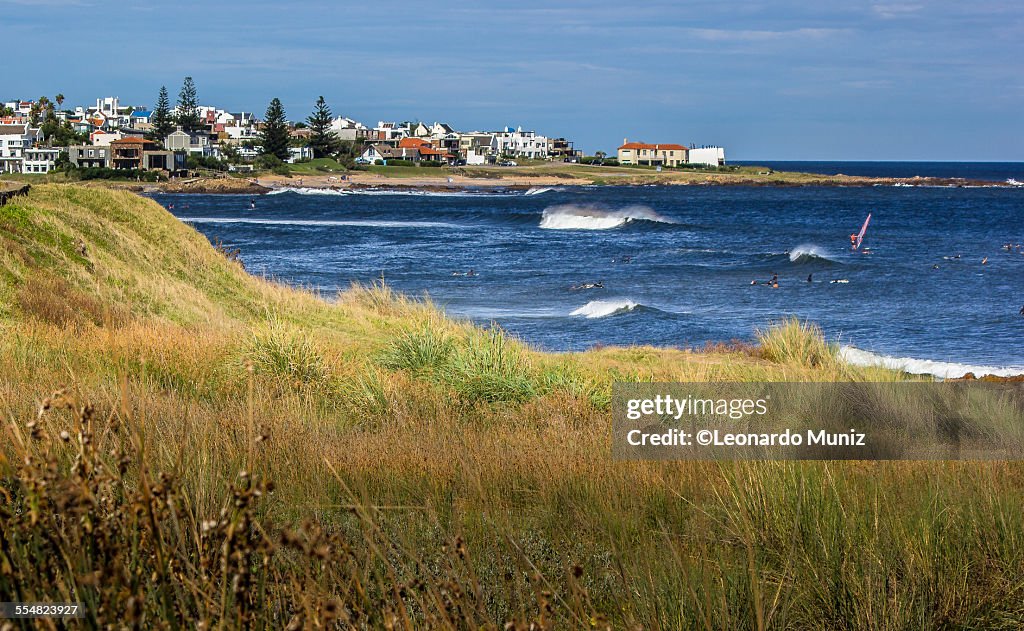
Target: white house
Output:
{"points": [[478, 148], [710, 156], [348, 129], [14, 141], [102, 138], [522, 144], [297, 154], [194, 144], [110, 111], [21, 109], [139, 117], [389, 132], [39, 160]]}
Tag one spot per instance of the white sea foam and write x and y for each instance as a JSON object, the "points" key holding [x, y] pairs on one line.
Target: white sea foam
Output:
{"points": [[388, 192], [807, 251], [604, 308], [578, 217], [307, 191], [538, 190], [944, 370], [1013, 182], [367, 223]]}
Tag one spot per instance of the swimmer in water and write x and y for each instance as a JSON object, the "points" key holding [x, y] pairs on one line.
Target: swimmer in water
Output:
{"points": [[810, 278]]}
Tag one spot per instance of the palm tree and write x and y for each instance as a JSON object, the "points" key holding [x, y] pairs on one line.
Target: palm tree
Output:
{"points": [[59, 98]]}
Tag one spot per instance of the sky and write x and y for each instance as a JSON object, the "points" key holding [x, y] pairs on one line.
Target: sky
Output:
{"points": [[785, 80]]}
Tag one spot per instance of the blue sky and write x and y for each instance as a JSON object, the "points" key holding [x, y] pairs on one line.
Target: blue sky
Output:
{"points": [[850, 80]]}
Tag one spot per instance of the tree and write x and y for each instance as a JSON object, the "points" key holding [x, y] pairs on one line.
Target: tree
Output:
{"points": [[275, 131], [59, 98], [188, 107], [323, 141], [161, 119]]}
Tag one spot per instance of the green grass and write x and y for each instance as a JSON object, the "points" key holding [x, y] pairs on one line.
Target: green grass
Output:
{"points": [[318, 166], [425, 473]]}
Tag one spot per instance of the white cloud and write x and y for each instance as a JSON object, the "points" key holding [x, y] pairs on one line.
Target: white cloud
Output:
{"points": [[895, 10]]}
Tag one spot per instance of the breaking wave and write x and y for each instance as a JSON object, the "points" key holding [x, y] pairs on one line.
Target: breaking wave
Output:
{"points": [[306, 191], [579, 217], [604, 308], [808, 252], [538, 190], [944, 370], [387, 192]]}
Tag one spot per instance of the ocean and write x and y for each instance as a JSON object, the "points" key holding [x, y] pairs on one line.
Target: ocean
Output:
{"points": [[672, 266], [991, 171]]}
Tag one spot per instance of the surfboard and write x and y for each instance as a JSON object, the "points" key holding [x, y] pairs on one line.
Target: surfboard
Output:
{"points": [[860, 235]]}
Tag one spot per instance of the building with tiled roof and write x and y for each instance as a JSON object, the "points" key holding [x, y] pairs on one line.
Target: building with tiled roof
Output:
{"points": [[645, 154]]}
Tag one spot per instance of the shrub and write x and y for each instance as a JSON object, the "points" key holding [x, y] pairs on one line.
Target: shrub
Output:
{"points": [[418, 350], [268, 161], [431, 163], [794, 342], [103, 173], [287, 354], [398, 162], [490, 367]]}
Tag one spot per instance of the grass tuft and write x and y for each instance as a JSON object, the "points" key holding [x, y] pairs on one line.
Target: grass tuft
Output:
{"points": [[799, 343]]}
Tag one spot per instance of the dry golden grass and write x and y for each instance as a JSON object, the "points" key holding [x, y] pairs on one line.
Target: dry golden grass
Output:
{"points": [[425, 473]]}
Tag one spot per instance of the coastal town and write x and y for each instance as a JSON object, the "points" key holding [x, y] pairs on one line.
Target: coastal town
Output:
{"points": [[111, 137]]}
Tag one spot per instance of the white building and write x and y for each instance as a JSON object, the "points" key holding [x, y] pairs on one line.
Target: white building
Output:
{"points": [[298, 154], [522, 144], [101, 138], [39, 160], [710, 156], [110, 111], [348, 129], [20, 108], [197, 144], [14, 141], [478, 148]]}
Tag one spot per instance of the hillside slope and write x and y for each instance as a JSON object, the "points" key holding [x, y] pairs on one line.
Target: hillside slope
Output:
{"points": [[426, 472]]}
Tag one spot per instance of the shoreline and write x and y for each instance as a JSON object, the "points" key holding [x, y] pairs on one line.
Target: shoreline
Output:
{"points": [[487, 180]]}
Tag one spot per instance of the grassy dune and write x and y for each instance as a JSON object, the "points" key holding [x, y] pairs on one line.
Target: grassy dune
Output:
{"points": [[186, 444]]}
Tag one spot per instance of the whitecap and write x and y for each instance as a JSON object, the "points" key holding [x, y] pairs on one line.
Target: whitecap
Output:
{"points": [[581, 217], [604, 308], [944, 370]]}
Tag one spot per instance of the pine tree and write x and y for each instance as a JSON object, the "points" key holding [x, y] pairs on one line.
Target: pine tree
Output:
{"points": [[323, 141], [188, 107], [275, 131], [161, 119]]}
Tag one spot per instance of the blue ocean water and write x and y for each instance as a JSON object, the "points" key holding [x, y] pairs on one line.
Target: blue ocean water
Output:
{"points": [[676, 263], [990, 171]]}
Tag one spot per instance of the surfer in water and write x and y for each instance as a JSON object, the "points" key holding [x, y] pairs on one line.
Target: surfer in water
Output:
{"points": [[252, 204], [598, 285], [810, 278], [853, 241]]}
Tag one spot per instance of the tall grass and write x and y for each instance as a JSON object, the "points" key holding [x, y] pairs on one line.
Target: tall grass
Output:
{"points": [[795, 342], [445, 476]]}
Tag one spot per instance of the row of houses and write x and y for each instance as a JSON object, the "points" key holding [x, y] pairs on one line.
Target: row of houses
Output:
{"points": [[120, 137]]}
